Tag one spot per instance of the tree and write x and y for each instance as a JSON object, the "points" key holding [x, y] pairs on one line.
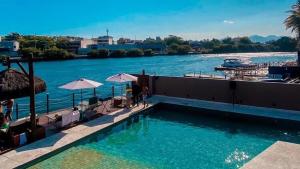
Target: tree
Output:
{"points": [[56, 53], [293, 22], [135, 53], [13, 36], [244, 41], [184, 49], [93, 54], [118, 53], [26, 52], [103, 53], [173, 40], [285, 44]]}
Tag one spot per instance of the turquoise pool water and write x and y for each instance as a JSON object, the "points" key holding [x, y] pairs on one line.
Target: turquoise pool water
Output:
{"points": [[171, 139]]}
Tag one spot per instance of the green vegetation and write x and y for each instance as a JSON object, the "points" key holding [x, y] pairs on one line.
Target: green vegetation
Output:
{"points": [[42, 47], [244, 44], [49, 48], [101, 53], [56, 53], [118, 53], [148, 52], [293, 22], [135, 53]]}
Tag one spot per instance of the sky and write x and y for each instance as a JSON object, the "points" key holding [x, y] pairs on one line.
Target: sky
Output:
{"points": [[139, 19]]}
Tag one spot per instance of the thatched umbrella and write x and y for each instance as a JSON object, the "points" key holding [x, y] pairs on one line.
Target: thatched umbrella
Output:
{"points": [[15, 84]]}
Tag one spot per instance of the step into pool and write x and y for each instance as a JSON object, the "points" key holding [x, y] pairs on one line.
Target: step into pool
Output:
{"points": [[168, 138]]}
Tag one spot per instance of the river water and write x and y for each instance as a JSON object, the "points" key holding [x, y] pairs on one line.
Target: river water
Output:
{"points": [[57, 73]]}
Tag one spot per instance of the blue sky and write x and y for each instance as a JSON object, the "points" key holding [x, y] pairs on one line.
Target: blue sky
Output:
{"points": [[191, 19]]}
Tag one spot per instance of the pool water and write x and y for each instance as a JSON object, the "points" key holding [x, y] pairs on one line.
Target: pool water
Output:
{"points": [[171, 139]]}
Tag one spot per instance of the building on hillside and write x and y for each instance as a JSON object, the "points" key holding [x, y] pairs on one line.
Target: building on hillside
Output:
{"points": [[128, 41], [9, 48], [156, 48], [125, 41], [78, 43], [104, 40]]}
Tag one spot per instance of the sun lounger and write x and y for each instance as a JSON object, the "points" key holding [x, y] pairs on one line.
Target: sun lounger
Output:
{"points": [[67, 119]]}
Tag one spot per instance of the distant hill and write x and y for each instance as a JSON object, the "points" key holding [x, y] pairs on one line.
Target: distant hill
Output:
{"points": [[263, 39]]}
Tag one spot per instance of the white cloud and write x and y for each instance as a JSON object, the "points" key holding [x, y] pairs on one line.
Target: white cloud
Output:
{"points": [[228, 22]]}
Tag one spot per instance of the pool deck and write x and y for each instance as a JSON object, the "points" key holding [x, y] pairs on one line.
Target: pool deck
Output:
{"points": [[226, 107], [279, 155], [27, 153]]}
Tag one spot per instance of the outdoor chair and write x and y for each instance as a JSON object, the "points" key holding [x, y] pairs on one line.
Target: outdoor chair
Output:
{"points": [[105, 103]]}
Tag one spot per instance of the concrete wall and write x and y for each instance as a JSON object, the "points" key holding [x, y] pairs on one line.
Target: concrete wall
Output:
{"points": [[262, 94]]}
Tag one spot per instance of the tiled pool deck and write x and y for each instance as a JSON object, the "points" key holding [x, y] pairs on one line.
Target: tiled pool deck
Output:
{"points": [[25, 154], [279, 155]]}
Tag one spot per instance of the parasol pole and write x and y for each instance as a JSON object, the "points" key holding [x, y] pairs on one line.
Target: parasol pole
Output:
{"points": [[32, 92], [81, 96]]}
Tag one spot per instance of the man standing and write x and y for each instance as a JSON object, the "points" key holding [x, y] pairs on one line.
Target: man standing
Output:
{"points": [[136, 90], [9, 109]]}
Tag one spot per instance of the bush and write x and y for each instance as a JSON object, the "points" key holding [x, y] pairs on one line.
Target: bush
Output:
{"points": [[118, 53], [171, 52], [103, 53], [26, 52], [183, 49], [93, 54], [148, 52], [55, 53], [135, 52]]}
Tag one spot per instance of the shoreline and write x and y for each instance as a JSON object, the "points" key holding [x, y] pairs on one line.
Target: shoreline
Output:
{"points": [[246, 54]]}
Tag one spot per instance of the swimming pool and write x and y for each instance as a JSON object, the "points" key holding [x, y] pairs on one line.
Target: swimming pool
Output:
{"points": [[172, 138]]}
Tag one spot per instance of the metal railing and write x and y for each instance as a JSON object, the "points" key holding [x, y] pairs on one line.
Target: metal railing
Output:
{"points": [[51, 104]]}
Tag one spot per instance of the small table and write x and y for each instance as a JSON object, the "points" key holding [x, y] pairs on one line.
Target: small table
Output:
{"points": [[119, 100]]}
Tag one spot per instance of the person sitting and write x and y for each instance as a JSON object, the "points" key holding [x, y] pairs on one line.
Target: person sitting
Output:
{"points": [[128, 96], [4, 125]]}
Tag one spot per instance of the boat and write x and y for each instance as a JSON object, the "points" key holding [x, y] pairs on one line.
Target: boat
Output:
{"points": [[236, 63]]}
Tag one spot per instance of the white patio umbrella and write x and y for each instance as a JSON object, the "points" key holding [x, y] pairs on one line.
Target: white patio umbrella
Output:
{"points": [[81, 84], [121, 78]]}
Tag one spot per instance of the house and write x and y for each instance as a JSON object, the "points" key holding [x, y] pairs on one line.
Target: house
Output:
{"points": [[104, 40], [9, 48]]}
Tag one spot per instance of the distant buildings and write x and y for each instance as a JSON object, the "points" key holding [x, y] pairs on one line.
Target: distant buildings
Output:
{"points": [[106, 42], [77, 44], [9, 48]]}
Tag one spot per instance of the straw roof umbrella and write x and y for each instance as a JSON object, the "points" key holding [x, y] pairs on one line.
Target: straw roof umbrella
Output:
{"points": [[15, 84]]}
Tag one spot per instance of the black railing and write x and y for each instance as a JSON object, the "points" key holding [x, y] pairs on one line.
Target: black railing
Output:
{"points": [[52, 104]]}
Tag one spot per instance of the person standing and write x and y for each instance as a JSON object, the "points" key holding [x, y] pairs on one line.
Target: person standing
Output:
{"points": [[136, 91], [9, 109], [1, 108], [145, 94]]}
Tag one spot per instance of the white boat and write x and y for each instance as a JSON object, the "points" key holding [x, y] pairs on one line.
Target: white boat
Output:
{"points": [[236, 63]]}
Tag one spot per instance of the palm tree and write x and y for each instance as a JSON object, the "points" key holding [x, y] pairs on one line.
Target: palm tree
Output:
{"points": [[293, 22]]}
